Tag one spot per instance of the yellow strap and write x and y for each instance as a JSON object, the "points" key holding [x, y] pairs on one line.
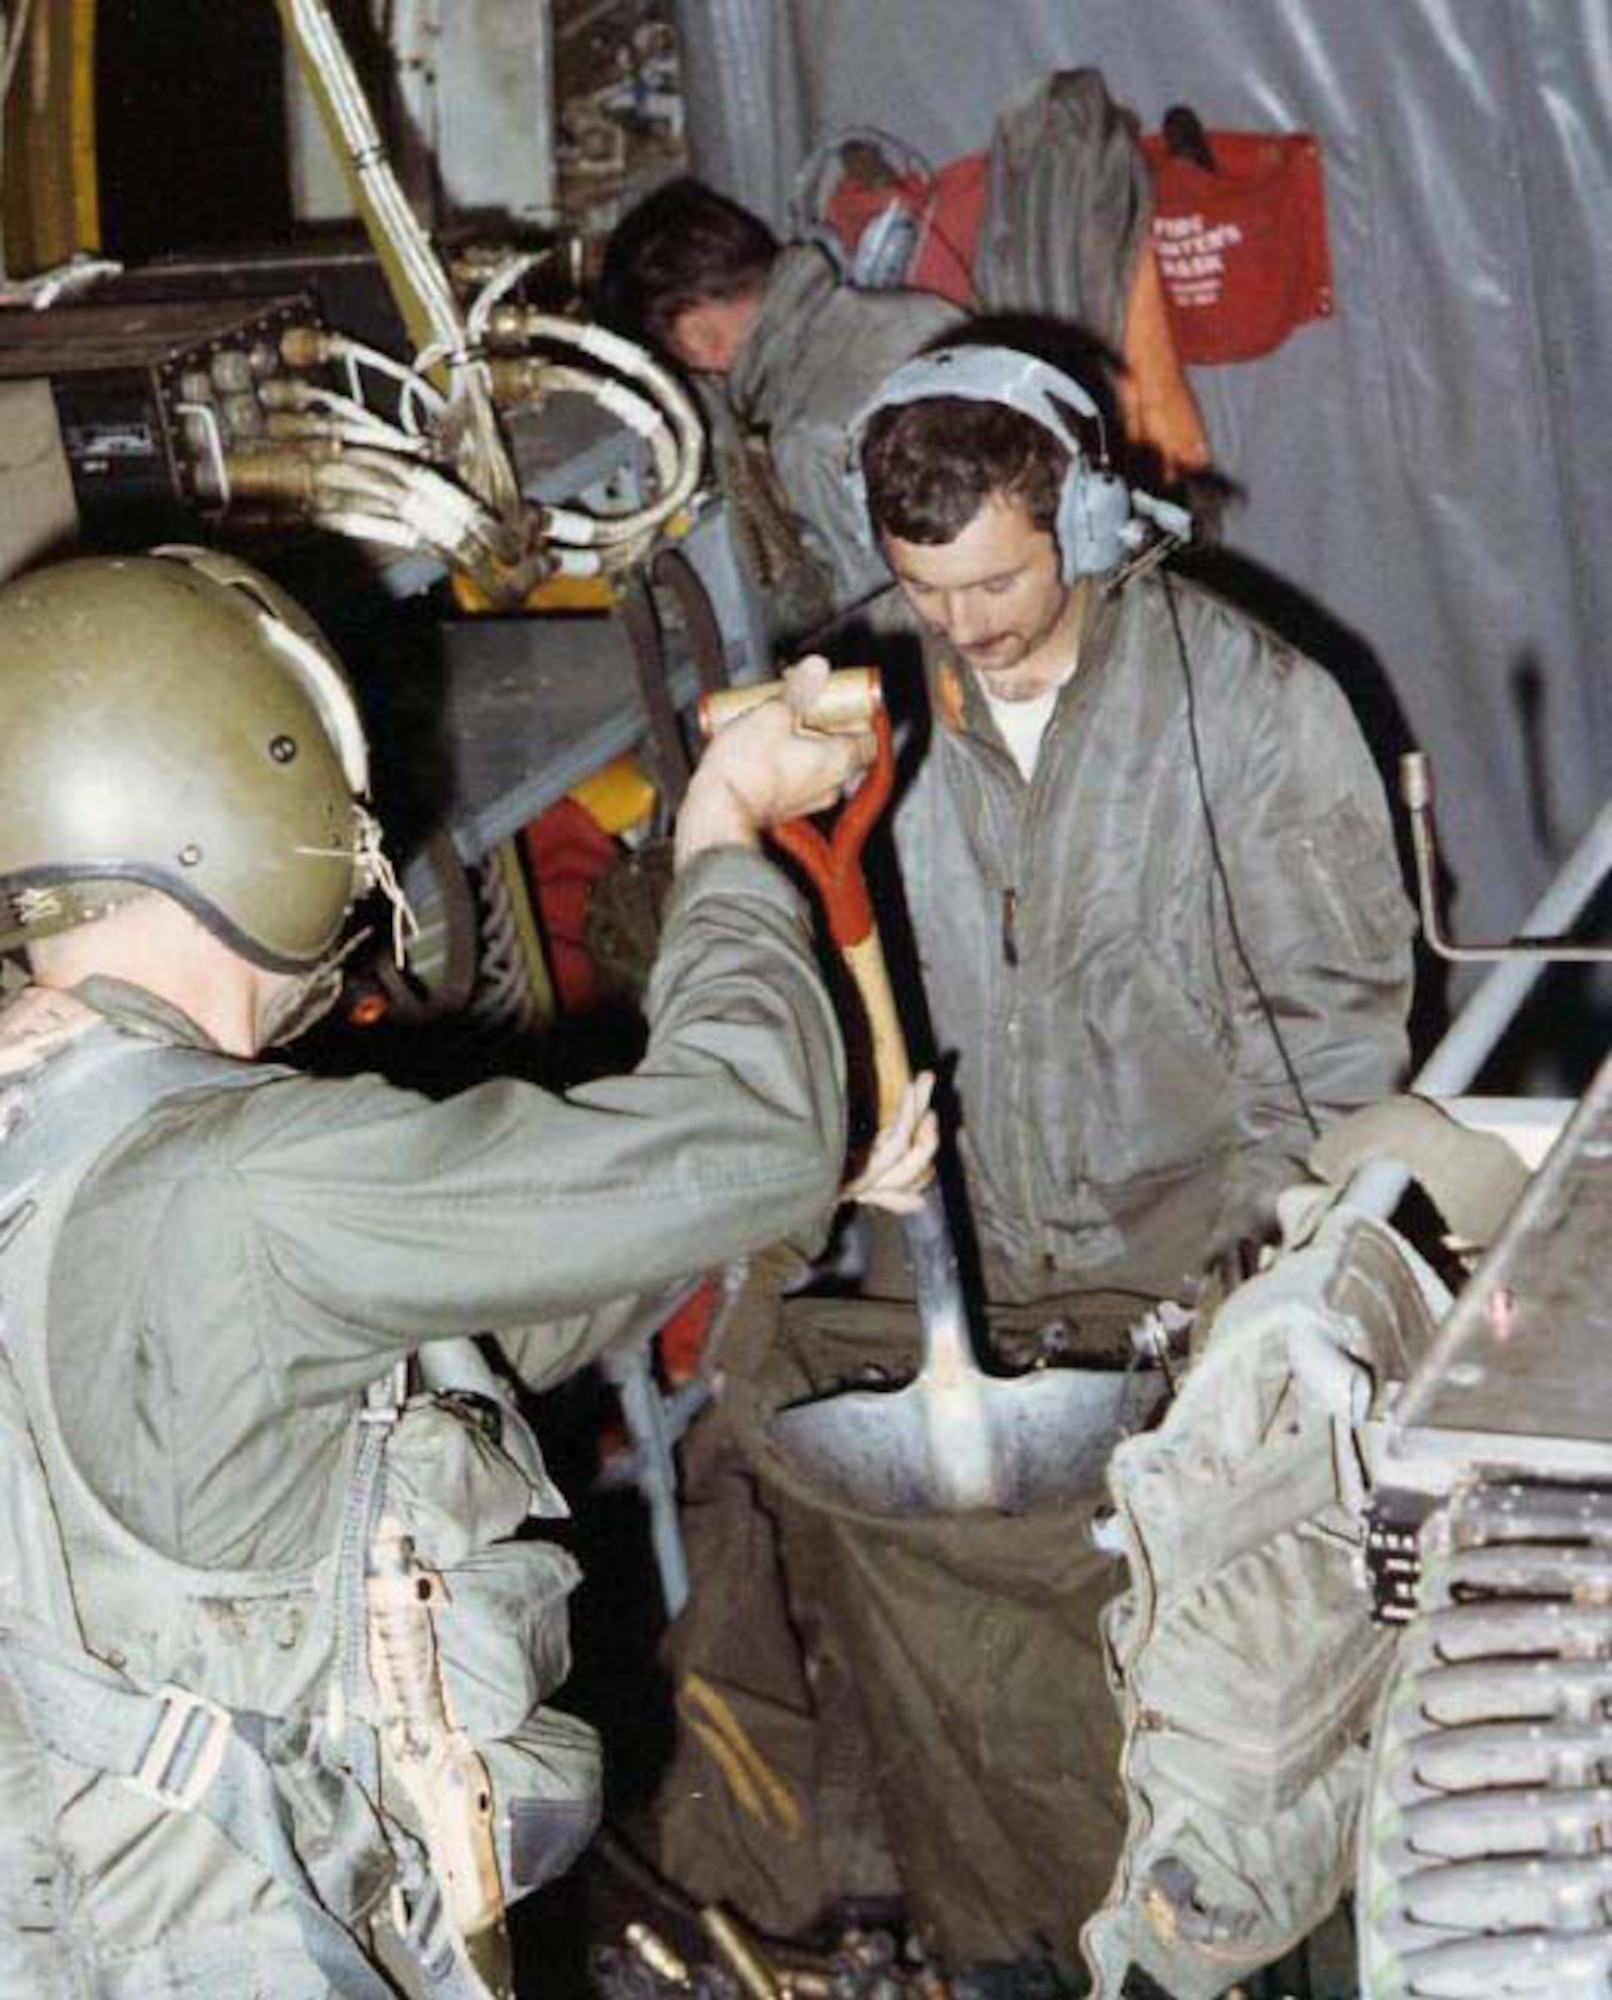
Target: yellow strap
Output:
{"points": [[81, 129], [756, 1786]]}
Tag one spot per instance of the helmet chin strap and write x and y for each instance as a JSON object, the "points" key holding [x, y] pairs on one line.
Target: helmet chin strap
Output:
{"points": [[376, 871], [373, 870], [306, 997]]}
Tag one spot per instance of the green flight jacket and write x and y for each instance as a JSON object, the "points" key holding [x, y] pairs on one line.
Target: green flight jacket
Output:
{"points": [[1125, 1110], [249, 1257]]}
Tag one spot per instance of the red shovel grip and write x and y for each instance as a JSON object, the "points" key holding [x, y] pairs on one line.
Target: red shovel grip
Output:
{"points": [[834, 864]]}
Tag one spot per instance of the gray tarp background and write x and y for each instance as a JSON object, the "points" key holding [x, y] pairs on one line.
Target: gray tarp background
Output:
{"points": [[1426, 463]]}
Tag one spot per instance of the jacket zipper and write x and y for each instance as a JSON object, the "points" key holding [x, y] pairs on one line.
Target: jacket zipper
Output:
{"points": [[1024, 831]]}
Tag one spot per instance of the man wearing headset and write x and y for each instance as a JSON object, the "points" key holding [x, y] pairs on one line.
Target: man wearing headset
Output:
{"points": [[246, 1447], [1146, 856]]}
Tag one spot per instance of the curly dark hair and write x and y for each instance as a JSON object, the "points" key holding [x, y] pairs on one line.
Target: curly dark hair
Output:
{"points": [[685, 245], [930, 466]]}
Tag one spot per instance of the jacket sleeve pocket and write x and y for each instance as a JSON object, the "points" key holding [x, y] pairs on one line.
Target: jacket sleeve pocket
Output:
{"points": [[1355, 872]]}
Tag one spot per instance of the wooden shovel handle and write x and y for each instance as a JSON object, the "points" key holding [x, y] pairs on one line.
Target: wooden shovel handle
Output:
{"points": [[850, 701], [892, 1068], [834, 866]]}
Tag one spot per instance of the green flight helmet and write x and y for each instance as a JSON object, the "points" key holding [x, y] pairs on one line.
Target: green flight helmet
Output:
{"points": [[175, 722]]}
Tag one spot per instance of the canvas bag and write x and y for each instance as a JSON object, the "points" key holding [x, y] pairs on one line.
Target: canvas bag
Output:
{"points": [[1245, 1658], [967, 1684]]}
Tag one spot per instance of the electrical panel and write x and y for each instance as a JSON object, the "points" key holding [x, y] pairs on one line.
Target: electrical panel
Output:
{"points": [[152, 399]]}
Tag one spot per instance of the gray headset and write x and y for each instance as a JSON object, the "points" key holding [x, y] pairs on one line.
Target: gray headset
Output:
{"points": [[1100, 522], [882, 255]]}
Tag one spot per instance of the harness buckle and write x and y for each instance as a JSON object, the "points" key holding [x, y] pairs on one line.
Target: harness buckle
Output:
{"points": [[186, 1750]]}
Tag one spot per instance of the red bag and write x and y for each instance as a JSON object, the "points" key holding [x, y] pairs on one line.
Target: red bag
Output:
{"points": [[1242, 249]]}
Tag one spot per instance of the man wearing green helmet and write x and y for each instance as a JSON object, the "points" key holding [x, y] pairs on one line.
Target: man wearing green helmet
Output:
{"points": [[240, 1748]]}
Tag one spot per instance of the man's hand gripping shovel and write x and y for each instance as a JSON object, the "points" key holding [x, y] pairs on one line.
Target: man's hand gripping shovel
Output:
{"points": [[928, 1447]]}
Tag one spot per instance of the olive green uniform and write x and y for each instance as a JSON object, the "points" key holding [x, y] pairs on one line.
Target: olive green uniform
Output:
{"points": [[243, 1263]]}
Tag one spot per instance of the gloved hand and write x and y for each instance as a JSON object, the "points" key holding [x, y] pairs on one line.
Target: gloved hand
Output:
{"points": [[902, 1157]]}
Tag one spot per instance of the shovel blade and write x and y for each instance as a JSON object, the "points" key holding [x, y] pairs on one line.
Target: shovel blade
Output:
{"points": [[1055, 1429], [867, 1449], [1043, 1441]]}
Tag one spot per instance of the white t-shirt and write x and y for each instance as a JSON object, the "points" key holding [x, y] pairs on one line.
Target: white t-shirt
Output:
{"points": [[1024, 723]]}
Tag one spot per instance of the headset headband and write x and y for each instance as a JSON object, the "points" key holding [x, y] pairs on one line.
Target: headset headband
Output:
{"points": [[985, 375], [1101, 523]]}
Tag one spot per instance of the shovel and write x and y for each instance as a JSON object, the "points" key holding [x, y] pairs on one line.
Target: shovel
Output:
{"points": [[954, 1440]]}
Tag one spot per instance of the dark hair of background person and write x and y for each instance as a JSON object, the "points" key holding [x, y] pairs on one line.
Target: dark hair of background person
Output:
{"points": [[931, 465], [685, 245]]}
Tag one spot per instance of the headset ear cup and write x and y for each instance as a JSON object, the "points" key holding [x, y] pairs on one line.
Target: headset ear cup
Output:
{"points": [[1094, 512], [884, 250]]}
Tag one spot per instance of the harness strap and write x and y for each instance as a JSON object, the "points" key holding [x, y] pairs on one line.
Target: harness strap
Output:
{"points": [[187, 1754], [182, 1750], [360, 1514]]}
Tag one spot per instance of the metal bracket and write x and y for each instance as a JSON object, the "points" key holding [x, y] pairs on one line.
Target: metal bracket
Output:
{"points": [[1416, 791]]}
